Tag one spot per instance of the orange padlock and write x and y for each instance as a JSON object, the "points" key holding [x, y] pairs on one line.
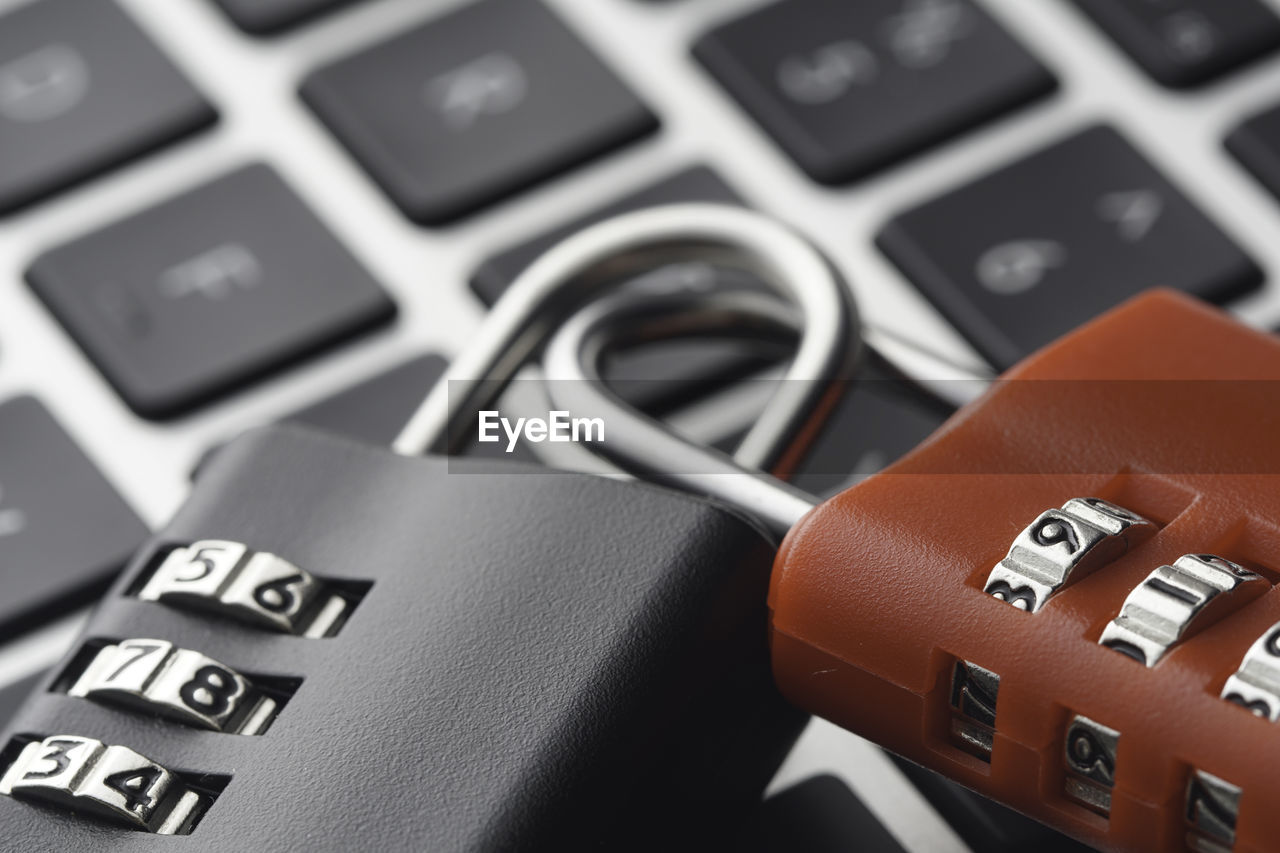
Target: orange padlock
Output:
{"points": [[1065, 598]]}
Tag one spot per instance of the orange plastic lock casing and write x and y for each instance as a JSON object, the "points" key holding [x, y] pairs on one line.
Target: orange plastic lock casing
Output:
{"points": [[1163, 406]]}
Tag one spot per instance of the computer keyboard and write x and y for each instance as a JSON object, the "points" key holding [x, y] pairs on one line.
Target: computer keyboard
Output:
{"points": [[221, 229]]}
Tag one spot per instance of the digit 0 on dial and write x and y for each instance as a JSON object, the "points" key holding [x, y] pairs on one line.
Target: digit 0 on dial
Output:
{"points": [[114, 782], [156, 676], [253, 586]]}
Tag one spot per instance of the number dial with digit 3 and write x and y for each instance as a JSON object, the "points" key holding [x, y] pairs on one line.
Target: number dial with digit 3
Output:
{"points": [[154, 675], [112, 781]]}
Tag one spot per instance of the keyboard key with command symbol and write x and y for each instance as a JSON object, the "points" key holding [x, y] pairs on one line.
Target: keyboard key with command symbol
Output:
{"points": [[1027, 253], [475, 106], [82, 90], [64, 531], [1184, 43], [207, 291], [849, 88]]}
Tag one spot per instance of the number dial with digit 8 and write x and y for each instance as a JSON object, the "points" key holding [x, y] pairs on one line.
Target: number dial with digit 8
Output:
{"points": [[1163, 408], [155, 676]]}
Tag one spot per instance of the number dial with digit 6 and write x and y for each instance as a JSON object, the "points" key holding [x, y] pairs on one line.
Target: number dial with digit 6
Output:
{"points": [[251, 586]]}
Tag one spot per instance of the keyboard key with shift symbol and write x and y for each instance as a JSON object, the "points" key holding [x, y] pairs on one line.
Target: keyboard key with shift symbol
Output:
{"points": [[1184, 43], [1027, 253], [195, 296], [848, 88], [82, 90], [475, 106], [63, 529]]}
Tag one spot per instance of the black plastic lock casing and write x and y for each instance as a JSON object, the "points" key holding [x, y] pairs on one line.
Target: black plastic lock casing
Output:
{"points": [[542, 661]]}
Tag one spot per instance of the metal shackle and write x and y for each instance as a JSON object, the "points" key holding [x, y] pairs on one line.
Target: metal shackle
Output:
{"points": [[649, 448], [585, 265]]}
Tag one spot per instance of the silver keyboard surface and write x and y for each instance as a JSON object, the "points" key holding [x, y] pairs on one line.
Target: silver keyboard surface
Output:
{"points": [[254, 84]]}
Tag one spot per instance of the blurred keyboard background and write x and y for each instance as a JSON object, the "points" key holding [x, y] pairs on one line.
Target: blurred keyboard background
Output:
{"points": [[223, 213]]}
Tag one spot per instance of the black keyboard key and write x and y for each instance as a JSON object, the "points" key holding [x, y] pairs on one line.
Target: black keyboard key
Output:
{"points": [[1184, 43], [266, 17], [879, 418], [819, 815], [63, 529], [663, 376], [1029, 252], [375, 410], [1256, 144], [984, 824], [850, 87], [191, 298], [475, 106], [81, 91], [697, 183]]}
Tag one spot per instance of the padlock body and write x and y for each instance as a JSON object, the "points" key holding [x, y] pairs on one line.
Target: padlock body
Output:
{"points": [[535, 660], [897, 609]]}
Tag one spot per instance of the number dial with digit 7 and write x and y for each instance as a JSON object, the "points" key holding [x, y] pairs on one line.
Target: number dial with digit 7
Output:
{"points": [[155, 676]]}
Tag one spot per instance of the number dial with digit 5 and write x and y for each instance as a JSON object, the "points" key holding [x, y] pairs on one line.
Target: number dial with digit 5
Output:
{"points": [[181, 684], [256, 587]]}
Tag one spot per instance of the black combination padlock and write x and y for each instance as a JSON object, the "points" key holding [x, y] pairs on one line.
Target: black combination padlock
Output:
{"points": [[335, 647]]}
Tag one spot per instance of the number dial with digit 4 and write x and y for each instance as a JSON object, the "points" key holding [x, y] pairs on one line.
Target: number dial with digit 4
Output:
{"points": [[112, 781], [153, 675]]}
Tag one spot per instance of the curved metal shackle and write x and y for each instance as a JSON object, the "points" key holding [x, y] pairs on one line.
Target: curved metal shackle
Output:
{"points": [[646, 447], [619, 249]]}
